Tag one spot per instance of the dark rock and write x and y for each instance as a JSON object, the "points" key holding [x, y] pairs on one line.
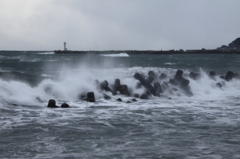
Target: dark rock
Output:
{"points": [[173, 82], [158, 87], [187, 91], [150, 79], [191, 75], [145, 83], [116, 86], [229, 76], [104, 86], [169, 98], [144, 96], [194, 75], [90, 97], [163, 76], [180, 79], [129, 102], [124, 90], [147, 92], [136, 95], [119, 99], [175, 89], [52, 104], [222, 77], [106, 97], [151, 73], [219, 85], [138, 85], [64, 105], [183, 83], [164, 86], [212, 73], [134, 100], [157, 94], [117, 83]]}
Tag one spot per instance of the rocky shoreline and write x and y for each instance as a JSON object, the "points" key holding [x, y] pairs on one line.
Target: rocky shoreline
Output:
{"points": [[154, 85]]}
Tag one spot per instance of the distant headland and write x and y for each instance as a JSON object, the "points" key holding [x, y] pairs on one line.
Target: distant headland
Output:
{"points": [[232, 48]]}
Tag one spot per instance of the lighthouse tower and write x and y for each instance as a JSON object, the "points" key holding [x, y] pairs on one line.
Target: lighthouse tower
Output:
{"points": [[65, 48]]}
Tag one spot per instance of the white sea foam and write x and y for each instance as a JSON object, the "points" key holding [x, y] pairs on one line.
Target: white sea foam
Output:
{"points": [[46, 53], [116, 55], [169, 63], [72, 83], [46, 75]]}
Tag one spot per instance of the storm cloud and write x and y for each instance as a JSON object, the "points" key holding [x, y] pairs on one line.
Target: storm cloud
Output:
{"points": [[117, 24]]}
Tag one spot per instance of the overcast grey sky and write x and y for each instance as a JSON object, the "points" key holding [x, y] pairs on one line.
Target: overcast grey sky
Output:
{"points": [[118, 24]]}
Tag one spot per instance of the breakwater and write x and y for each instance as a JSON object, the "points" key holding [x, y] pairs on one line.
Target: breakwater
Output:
{"points": [[147, 51]]}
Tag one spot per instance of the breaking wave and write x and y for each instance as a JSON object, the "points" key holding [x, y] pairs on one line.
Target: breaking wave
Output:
{"points": [[116, 55], [46, 53], [70, 85]]}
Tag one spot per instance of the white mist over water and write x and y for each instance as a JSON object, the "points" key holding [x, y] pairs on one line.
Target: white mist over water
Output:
{"points": [[205, 88]]}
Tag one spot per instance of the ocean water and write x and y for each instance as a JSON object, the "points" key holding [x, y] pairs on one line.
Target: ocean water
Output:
{"points": [[174, 125]]}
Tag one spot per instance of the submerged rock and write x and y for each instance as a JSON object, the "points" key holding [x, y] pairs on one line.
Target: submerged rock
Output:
{"points": [[64, 105], [134, 100], [119, 99]]}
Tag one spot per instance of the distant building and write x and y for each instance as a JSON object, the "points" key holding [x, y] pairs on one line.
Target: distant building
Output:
{"points": [[65, 46]]}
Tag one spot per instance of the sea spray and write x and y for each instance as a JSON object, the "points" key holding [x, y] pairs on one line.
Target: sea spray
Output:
{"points": [[170, 126], [72, 82]]}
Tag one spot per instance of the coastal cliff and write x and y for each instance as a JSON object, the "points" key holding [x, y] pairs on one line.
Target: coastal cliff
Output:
{"points": [[234, 45]]}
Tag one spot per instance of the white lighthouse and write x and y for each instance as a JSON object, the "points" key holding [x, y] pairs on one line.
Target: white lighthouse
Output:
{"points": [[65, 48]]}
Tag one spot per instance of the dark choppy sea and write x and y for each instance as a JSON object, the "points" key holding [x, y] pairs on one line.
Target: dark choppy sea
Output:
{"points": [[174, 125]]}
